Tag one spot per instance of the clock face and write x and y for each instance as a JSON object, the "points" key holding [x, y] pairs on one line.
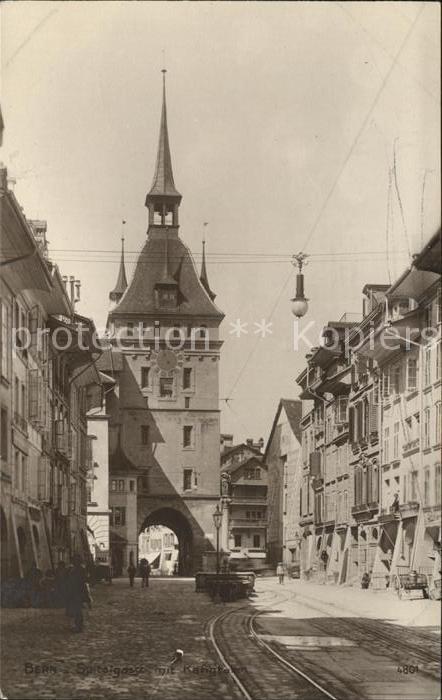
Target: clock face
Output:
{"points": [[167, 360]]}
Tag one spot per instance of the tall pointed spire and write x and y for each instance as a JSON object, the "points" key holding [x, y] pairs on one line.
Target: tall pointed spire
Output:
{"points": [[203, 276], [121, 286], [163, 197]]}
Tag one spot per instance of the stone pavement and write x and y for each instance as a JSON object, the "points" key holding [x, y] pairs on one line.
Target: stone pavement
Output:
{"points": [[362, 603], [131, 634]]}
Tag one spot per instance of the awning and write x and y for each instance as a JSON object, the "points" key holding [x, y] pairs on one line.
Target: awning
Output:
{"points": [[152, 558]]}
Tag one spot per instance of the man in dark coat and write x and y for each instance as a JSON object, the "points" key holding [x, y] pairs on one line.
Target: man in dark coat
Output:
{"points": [[144, 573], [77, 593]]}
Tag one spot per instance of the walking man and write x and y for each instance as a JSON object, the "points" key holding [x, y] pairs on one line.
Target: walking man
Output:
{"points": [[144, 573], [280, 572]]}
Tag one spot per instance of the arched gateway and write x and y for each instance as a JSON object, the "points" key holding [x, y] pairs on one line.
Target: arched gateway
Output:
{"points": [[163, 407]]}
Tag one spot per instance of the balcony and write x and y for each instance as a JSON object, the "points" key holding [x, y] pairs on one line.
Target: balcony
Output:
{"points": [[411, 447], [20, 422], [249, 500], [248, 522]]}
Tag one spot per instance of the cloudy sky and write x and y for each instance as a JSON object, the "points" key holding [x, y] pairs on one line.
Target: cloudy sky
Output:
{"points": [[283, 119]]}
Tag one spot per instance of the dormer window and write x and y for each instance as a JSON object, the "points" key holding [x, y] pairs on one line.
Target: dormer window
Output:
{"points": [[167, 298]]}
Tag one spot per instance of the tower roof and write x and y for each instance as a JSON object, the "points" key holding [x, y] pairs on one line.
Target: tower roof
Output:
{"points": [[163, 184], [121, 285], [203, 276], [140, 299]]}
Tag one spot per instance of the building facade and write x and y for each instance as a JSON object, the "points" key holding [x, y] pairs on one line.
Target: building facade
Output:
{"points": [[46, 377], [159, 546], [284, 464], [371, 436], [163, 411], [242, 466]]}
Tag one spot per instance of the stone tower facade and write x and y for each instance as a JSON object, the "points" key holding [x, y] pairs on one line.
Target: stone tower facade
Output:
{"points": [[164, 409]]}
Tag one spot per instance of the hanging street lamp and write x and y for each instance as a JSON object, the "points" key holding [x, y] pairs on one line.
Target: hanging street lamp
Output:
{"points": [[299, 302]]}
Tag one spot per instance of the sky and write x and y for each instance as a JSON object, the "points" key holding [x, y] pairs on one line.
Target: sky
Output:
{"points": [[285, 121]]}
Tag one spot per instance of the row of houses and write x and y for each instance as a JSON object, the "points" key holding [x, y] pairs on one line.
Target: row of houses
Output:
{"points": [[354, 466], [48, 384]]}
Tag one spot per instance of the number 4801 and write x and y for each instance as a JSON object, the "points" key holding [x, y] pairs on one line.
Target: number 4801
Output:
{"points": [[407, 669]]}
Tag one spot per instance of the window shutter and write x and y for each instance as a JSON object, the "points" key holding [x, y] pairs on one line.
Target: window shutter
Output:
{"points": [[59, 432], [33, 395], [373, 415], [351, 423], [44, 480]]}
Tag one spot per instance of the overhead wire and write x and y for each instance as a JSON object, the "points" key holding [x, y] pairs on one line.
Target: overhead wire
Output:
{"points": [[361, 129]]}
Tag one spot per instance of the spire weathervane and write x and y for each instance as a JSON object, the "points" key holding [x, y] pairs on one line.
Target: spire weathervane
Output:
{"points": [[163, 198]]}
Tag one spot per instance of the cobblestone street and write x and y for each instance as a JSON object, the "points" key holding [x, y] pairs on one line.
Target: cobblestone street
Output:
{"points": [[130, 634]]}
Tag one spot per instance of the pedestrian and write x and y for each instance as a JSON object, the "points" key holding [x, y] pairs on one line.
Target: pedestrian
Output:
{"points": [[144, 573], [131, 570], [77, 593], [280, 572]]}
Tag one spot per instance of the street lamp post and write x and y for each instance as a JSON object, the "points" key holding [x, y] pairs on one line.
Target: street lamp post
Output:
{"points": [[217, 519]]}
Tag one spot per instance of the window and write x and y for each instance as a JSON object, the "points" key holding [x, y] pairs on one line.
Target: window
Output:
{"points": [[5, 334], [168, 298], [187, 435], [439, 360], [187, 479], [437, 484], [342, 410], [427, 366], [438, 422], [396, 441], [386, 445], [386, 384], [414, 485], [186, 402], [257, 541], [130, 328], [131, 485], [145, 434], [427, 486], [426, 427], [24, 473], [411, 374], [187, 378], [117, 485], [145, 371], [4, 434], [117, 516], [166, 387], [237, 540], [396, 379]]}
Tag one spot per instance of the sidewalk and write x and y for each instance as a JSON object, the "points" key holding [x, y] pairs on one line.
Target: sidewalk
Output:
{"points": [[355, 602]]}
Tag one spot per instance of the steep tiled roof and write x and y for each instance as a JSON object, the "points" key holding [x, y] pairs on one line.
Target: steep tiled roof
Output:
{"points": [[248, 462], [293, 411], [140, 297], [110, 361]]}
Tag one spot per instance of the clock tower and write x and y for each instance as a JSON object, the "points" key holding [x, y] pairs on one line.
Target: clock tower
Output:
{"points": [[164, 408]]}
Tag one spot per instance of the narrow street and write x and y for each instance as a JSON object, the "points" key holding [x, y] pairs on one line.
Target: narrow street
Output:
{"points": [[132, 635]]}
